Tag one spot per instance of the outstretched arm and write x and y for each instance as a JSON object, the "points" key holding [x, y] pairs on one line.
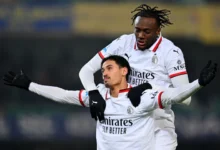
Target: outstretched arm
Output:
{"points": [[54, 93], [78, 97], [177, 95], [152, 99]]}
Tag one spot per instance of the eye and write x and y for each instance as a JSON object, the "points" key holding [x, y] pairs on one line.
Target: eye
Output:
{"points": [[109, 68], [137, 30], [147, 31]]}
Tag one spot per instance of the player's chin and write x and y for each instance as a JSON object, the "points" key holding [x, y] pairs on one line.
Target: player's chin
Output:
{"points": [[107, 84], [142, 47]]}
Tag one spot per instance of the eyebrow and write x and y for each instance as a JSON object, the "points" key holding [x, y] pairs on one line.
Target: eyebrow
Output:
{"points": [[142, 29], [107, 66]]}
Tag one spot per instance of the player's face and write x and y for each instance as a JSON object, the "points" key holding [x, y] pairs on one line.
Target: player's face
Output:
{"points": [[146, 31], [112, 73]]}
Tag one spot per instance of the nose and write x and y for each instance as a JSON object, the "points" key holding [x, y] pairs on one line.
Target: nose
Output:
{"points": [[141, 35], [104, 73]]}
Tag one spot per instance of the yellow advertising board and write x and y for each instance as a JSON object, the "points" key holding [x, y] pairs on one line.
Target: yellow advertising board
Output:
{"points": [[201, 22]]}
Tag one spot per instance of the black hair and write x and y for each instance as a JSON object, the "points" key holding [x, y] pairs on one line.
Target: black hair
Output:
{"points": [[161, 16], [120, 61]]}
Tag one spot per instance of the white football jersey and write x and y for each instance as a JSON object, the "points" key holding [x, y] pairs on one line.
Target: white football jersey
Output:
{"points": [[125, 126], [157, 65]]}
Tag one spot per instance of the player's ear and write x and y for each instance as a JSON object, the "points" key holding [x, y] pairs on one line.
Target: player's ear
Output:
{"points": [[124, 71], [158, 31]]}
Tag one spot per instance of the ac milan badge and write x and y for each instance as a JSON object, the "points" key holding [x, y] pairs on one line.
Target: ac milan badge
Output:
{"points": [[155, 59]]}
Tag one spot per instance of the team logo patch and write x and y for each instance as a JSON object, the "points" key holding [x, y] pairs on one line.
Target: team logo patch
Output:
{"points": [[179, 62], [105, 49], [155, 59], [176, 51], [126, 55], [130, 110]]}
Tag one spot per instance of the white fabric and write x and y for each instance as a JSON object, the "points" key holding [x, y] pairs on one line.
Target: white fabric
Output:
{"points": [[86, 73], [169, 60], [125, 126], [166, 139], [177, 95], [163, 66], [181, 80], [60, 95]]}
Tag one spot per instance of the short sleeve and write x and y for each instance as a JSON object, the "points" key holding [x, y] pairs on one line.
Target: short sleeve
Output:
{"points": [[114, 47], [175, 63]]}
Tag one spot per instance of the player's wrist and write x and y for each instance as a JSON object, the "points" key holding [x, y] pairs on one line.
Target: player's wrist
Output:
{"points": [[31, 85], [196, 84], [27, 84]]}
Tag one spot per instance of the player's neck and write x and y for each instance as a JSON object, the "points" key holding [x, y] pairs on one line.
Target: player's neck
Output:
{"points": [[114, 91]]}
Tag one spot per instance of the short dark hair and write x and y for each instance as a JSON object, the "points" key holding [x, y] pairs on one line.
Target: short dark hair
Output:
{"points": [[120, 61], [161, 16]]}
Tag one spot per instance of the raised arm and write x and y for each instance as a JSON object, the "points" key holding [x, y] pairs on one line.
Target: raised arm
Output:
{"points": [[77, 97], [86, 73]]}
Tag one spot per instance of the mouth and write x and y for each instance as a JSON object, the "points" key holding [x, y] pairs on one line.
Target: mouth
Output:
{"points": [[141, 43], [106, 79]]}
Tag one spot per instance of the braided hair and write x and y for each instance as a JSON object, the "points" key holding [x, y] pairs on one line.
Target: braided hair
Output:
{"points": [[161, 16]]}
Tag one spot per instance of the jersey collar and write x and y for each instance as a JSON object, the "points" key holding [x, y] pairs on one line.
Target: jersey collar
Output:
{"points": [[155, 46], [121, 92]]}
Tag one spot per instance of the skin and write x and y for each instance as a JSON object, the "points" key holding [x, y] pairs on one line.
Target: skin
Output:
{"points": [[114, 77], [146, 31]]}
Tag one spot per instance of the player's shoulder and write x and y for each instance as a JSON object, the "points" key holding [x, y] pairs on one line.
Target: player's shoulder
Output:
{"points": [[167, 45], [125, 37], [149, 92], [148, 98], [123, 42], [101, 88]]}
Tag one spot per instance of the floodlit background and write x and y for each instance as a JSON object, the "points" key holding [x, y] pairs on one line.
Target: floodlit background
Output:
{"points": [[52, 39]]}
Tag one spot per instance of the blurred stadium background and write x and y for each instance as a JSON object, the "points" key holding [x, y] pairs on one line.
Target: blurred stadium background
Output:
{"points": [[52, 39]]}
